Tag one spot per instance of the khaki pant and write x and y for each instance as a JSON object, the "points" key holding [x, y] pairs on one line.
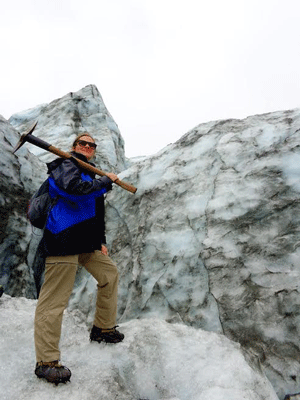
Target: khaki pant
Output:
{"points": [[60, 275]]}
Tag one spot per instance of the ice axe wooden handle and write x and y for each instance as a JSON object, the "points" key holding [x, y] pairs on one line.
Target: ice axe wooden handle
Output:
{"points": [[28, 137]]}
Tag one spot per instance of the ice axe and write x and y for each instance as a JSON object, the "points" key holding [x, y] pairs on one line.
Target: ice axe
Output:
{"points": [[28, 137]]}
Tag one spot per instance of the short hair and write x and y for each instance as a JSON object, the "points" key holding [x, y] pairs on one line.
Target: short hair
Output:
{"points": [[80, 136]]}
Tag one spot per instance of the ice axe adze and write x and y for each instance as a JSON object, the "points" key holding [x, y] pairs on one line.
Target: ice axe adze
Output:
{"points": [[28, 137]]}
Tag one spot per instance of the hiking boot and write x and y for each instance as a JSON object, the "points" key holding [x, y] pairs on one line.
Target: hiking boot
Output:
{"points": [[53, 372], [106, 335]]}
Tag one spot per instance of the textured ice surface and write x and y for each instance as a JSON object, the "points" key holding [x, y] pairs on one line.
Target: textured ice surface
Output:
{"points": [[60, 121], [211, 238], [21, 174], [156, 361]]}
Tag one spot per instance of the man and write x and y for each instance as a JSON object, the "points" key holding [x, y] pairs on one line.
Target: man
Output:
{"points": [[74, 234]]}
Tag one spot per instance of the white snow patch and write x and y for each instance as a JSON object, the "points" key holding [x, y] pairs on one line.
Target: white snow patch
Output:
{"points": [[156, 360]]}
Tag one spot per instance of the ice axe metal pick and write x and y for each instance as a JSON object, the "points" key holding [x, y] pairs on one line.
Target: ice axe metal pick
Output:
{"points": [[28, 137]]}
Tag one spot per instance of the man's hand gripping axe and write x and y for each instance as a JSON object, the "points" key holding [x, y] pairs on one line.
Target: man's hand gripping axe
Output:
{"points": [[28, 137]]}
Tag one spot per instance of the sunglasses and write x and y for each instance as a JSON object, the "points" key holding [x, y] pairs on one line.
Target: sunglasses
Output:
{"points": [[83, 143]]}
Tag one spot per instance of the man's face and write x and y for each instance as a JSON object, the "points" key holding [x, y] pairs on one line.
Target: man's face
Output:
{"points": [[82, 147]]}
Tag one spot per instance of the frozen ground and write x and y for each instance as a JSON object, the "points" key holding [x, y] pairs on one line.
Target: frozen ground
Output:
{"points": [[157, 360]]}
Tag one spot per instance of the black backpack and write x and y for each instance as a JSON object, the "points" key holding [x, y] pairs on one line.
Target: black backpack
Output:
{"points": [[40, 205]]}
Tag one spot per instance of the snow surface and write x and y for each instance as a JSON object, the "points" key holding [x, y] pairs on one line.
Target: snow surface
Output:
{"points": [[156, 360]]}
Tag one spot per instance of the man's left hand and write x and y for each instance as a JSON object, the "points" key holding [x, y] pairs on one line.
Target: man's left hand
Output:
{"points": [[112, 176], [104, 250]]}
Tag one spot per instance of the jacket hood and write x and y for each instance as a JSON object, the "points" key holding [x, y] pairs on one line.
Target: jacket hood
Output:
{"points": [[58, 161]]}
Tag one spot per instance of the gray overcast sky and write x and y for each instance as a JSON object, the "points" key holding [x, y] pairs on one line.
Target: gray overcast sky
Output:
{"points": [[161, 66]]}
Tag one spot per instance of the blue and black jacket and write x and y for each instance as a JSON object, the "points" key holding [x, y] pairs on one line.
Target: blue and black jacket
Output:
{"points": [[76, 222]]}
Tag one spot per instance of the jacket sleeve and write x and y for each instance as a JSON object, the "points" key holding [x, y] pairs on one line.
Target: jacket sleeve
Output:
{"points": [[67, 176]]}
